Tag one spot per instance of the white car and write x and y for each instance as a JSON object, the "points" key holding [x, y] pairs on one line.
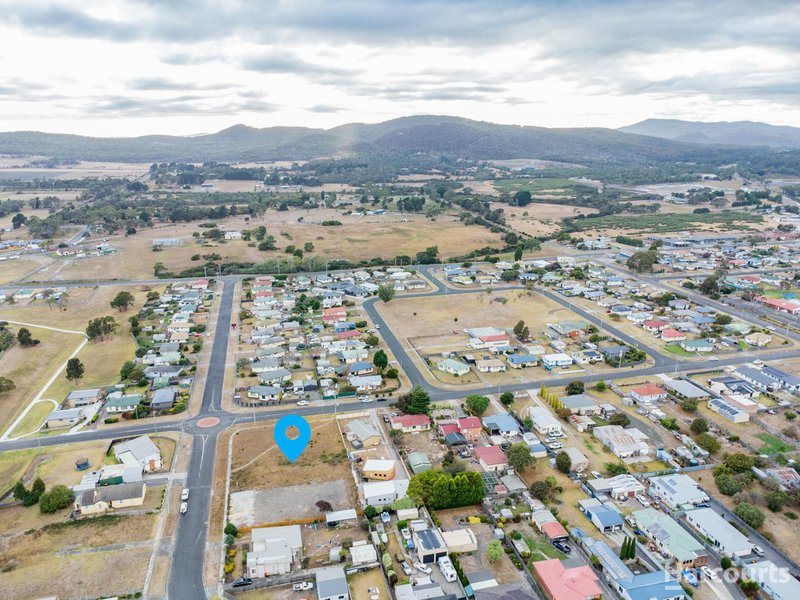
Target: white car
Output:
{"points": [[184, 508], [185, 495], [555, 446], [714, 358], [642, 500], [377, 325], [405, 533], [303, 586], [303, 403], [366, 399], [596, 475], [406, 569], [423, 568], [708, 572], [758, 551]]}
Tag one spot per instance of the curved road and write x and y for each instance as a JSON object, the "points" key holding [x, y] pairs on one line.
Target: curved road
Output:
{"points": [[186, 580]]}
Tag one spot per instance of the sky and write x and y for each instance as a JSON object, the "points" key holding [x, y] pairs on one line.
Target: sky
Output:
{"points": [[182, 67]]}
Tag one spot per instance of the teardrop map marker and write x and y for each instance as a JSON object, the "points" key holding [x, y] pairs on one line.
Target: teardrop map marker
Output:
{"points": [[292, 448]]}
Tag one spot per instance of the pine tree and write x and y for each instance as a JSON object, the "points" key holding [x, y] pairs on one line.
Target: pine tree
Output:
{"points": [[632, 549]]}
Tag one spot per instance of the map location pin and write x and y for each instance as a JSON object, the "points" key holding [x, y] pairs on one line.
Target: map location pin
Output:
{"points": [[292, 448]]}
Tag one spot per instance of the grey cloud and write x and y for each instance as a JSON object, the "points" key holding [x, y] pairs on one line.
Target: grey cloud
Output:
{"points": [[325, 108], [130, 106], [166, 84]]}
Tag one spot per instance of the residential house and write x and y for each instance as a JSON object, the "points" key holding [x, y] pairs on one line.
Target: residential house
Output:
{"points": [[728, 410], [672, 336], [671, 539], [418, 462], [491, 365], [501, 424], [264, 393], [605, 516], [100, 499], [78, 398], [579, 462], [580, 404], [685, 390], [623, 442], [700, 346], [618, 486], [273, 550], [677, 491], [453, 367], [63, 417], [118, 403], [648, 393], [719, 533], [364, 432], [428, 543], [383, 493], [561, 583], [758, 339], [656, 585], [411, 423], [162, 399], [379, 469], [558, 360], [491, 458], [364, 383], [775, 582], [543, 421], [470, 427], [140, 451], [520, 361], [363, 553]]}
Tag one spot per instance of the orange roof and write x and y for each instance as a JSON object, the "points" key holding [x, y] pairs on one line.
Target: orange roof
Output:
{"points": [[554, 530], [651, 389], [469, 423], [491, 455], [560, 583]]}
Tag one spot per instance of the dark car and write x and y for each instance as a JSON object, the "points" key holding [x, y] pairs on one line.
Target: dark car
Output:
{"points": [[242, 582], [381, 399]]}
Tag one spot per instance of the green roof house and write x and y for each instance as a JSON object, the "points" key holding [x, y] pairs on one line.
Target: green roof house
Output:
{"points": [[419, 462]]}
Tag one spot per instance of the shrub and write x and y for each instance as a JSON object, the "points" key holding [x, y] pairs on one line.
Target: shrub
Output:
{"points": [[231, 529], [59, 496]]}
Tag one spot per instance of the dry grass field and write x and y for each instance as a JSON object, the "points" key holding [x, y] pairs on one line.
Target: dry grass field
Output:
{"points": [[449, 315], [30, 368], [357, 238], [539, 218], [26, 264], [102, 360], [257, 462], [60, 552]]}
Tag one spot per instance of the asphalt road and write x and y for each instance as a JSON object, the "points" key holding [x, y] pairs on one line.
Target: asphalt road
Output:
{"points": [[186, 575]]}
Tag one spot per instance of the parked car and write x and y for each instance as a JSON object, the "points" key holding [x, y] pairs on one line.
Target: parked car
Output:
{"points": [[406, 569], [184, 508], [386, 517], [185, 495], [642, 500], [365, 399], [242, 581], [708, 572], [555, 446], [423, 568], [303, 403], [382, 399], [302, 586], [758, 551], [405, 533], [596, 475]]}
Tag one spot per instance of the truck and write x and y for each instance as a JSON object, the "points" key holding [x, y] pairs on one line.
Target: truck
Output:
{"points": [[302, 586]]}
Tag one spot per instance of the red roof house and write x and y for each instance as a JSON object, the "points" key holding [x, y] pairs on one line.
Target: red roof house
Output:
{"points": [[561, 583]]}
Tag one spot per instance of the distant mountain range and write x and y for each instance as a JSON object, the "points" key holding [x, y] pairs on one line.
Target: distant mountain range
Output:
{"points": [[398, 139], [735, 133], [420, 139]]}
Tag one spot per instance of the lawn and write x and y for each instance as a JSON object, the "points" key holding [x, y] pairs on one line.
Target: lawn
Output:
{"points": [[676, 349], [33, 419], [541, 546], [550, 186], [772, 444], [31, 368]]}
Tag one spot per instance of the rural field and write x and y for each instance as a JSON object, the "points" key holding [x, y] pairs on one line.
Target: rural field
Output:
{"points": [[435, 316], [101, 359], [358, 238], [540, 218]]}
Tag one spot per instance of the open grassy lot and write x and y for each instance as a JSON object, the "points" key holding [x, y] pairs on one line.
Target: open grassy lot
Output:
{"points": [[772, 445], [364, 584], [257, 462], [13, 269], [357, 238], [447, 316], [30, 368], [539, 218], [59, 550], [550, 186], [669, 222]]}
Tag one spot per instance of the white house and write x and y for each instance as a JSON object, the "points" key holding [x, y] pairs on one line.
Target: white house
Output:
{"points": [[677, 490], [453, 367], [722, 535], [140, 451], [273, 550], [543, 421], [552, 361]]}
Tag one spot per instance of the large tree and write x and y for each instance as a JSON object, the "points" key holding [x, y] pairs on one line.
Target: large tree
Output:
{"points": [[415, 402], [563, 462], [25, 339], [439, 490], [476, 404], [494, 551], [101, 328], [122, 301], [74, 369], [519, 456], [380, 360], [386, 292]]}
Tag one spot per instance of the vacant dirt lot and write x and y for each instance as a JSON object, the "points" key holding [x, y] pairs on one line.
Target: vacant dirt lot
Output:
{"points": [[258, 464]]}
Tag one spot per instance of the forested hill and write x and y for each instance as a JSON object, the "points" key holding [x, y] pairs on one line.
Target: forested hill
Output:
{"points": [[437, 136], [737, 133]]}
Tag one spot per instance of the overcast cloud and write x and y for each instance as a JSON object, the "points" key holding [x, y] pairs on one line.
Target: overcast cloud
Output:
{"points": [[131, 67]]}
